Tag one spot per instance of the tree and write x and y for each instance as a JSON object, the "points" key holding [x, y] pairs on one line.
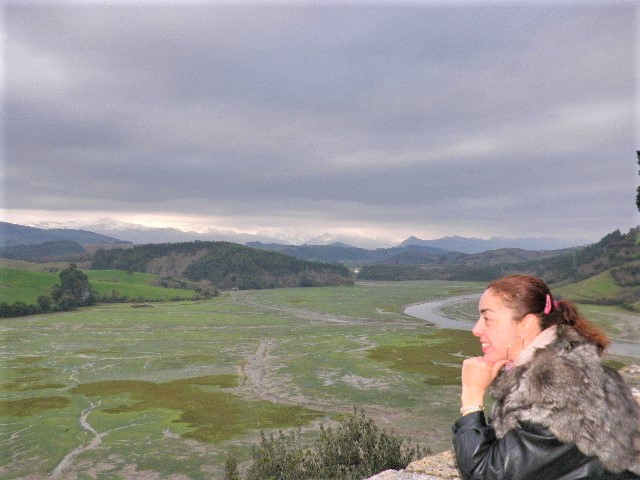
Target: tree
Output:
{"points": [[74, 289], [638, 190]]}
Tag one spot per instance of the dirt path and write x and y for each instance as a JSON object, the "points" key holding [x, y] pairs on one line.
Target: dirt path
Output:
{"points": [[260, 371], [262, 380]]}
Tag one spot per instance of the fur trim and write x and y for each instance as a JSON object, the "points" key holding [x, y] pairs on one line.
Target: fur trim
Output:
{"points": [[565, 388]]}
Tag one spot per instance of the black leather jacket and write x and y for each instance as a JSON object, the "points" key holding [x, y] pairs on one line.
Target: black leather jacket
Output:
{"points": [[529, 452]]}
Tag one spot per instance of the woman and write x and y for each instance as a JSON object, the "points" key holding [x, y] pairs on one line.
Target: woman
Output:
{"points": [[558, 413]]}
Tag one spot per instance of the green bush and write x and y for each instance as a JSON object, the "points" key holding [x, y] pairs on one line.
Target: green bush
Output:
{"points": [[282, 458], [354, 450], [231, 469], [357, 449]]}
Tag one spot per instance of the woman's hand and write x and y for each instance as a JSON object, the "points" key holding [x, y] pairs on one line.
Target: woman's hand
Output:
{"points": [[477, 374]]}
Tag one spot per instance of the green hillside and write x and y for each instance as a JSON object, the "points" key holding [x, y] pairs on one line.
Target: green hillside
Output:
{"points": [[134, 286], [604, 289], [223, 264], [19, 285], [24, 286], [592, 289], [158, 273]]}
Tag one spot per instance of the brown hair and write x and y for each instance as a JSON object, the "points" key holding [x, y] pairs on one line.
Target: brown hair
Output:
{"points": [[525, 294]]}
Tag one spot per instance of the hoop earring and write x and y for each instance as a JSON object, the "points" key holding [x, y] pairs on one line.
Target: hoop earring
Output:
{"points": [[509, 346]]}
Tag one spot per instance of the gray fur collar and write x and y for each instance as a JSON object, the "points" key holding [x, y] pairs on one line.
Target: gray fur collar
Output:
{"points": [[565, 388]]}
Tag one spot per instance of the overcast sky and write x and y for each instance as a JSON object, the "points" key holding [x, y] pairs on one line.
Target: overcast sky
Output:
{"points": [[381, 119]]}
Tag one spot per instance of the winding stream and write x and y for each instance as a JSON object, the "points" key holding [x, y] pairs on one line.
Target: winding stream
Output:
{"points": [[432, 312], [95, 441]]}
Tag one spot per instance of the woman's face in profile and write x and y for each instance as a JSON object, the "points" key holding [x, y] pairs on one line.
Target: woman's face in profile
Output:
{"points": [[496, 329]]}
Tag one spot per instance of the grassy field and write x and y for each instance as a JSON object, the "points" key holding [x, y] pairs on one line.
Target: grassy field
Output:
{"points": [[22, 285], [174, 388], [133, 285], [170, 391], [25, 286]]}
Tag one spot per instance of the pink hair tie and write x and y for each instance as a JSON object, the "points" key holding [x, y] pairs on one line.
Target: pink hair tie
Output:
{"points": [[548, 306]]}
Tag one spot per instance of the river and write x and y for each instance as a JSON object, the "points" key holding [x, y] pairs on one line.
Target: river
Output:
{"points": [[432, 312]]}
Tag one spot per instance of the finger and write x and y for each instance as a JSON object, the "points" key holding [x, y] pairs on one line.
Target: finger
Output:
{"points": [[497, 366], [471, 361]]}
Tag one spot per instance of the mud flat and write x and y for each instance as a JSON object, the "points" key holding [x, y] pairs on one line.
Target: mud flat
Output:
{"points": [[171, 391]]}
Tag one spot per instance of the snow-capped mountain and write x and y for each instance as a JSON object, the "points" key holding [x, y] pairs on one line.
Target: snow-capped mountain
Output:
{"points": [[352, 240], [141, 234]]}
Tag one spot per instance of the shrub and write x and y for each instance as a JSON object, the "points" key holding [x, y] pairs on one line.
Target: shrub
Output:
{"points": [[281, 457], [44, 302], [231, 469], [358, 449], [354, 450], [17, 309]]}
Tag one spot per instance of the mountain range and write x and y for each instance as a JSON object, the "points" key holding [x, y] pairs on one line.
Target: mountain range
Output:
{"points": [[12, 234], [30, 243], [113, 231], [479, 245]]}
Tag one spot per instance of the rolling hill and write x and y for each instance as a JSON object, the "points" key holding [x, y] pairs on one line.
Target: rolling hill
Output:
{"points": [[225, 265], [339, 252]]}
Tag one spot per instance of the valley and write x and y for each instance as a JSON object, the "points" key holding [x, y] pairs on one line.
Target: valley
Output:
{"points": [[171, 390]]}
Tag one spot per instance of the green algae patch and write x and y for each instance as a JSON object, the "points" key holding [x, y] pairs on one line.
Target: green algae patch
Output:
{"points": [[210, 413], [27, 386], [25, 360], [30, 406], [294, 300], [34, 371], [32, 381], [180, 361], [199, 358], [439, 356]]}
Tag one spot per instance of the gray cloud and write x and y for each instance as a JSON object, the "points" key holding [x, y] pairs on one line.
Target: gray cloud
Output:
{"points": [[494, 120]]}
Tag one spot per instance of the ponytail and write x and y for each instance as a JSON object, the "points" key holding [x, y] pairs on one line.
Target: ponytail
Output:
{"points": [[565, 313]]}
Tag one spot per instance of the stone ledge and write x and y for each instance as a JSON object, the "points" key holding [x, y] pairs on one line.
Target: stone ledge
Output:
{"points": [[441, 466], [402, 475]]}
